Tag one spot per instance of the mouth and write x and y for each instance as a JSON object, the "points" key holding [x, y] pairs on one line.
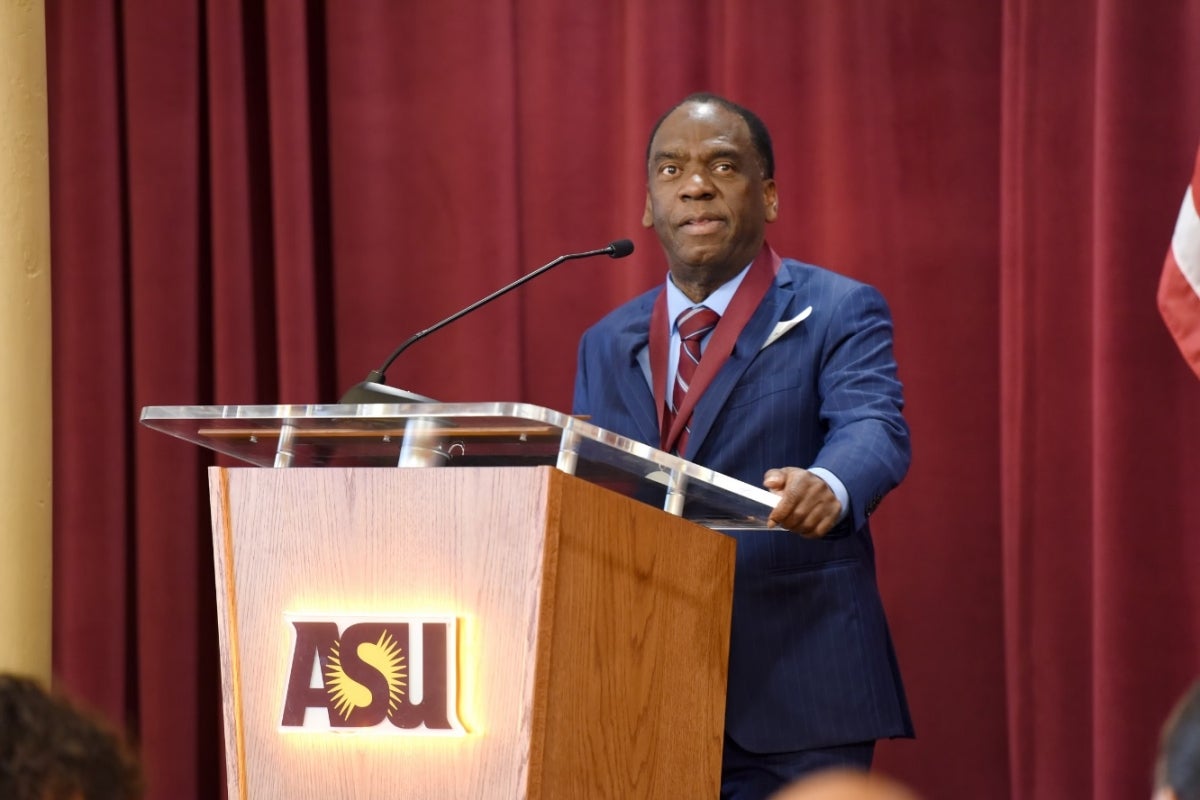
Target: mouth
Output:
{"points": [[701, 225]]}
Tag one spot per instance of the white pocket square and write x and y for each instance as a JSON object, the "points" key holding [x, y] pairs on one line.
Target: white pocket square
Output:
{"points": [[786, 325]]}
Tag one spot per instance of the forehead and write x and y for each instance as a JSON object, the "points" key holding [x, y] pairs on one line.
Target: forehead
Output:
{"points": [[701, 123]]}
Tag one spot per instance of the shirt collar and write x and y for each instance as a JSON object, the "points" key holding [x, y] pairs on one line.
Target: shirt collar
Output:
{"points": [[718, 301]]}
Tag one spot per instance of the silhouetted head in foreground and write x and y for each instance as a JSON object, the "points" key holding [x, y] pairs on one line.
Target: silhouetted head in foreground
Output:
{"points": [[845, 784], [52, 750], [1177, 774]]}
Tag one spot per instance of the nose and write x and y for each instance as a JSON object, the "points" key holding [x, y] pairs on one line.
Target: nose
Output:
{"points": [[697, 185]]}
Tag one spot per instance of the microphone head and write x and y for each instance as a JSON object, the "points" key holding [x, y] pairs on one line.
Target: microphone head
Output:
{"points": [[620, 248]]}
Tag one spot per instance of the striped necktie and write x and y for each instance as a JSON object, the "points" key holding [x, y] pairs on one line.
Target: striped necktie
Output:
{"points": [[694, 324]]}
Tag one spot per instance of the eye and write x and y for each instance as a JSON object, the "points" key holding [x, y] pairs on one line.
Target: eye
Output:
{"points": [[723, 167], [669, 170]]}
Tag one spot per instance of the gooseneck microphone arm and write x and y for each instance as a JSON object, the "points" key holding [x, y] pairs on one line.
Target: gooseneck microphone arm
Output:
{"points": [[617, 249]]}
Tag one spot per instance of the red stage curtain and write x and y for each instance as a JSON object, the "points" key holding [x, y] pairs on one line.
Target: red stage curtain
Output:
{"points": [[255, 202]]}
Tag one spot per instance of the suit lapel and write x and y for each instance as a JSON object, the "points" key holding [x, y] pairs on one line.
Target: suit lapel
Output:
{"points": [[773, 308], [630, 379]]}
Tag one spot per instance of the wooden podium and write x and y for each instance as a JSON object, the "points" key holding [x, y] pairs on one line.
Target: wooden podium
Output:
{"points": [[499, 629]]}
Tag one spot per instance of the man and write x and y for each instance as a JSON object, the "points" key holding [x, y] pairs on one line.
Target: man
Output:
{"points": [[1177, 774], [796, 388]]}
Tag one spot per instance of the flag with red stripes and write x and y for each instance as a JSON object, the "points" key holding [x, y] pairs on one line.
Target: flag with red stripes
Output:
{"points": [[1179, 287]]}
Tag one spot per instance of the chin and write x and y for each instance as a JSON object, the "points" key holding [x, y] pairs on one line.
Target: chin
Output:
{"points": [[708, 259], [701, 253]]}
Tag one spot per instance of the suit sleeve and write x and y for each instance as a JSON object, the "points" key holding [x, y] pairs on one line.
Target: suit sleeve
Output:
{"points": [[581, 403], [867, 440]]}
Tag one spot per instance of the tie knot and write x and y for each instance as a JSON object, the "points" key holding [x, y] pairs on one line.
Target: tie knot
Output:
{"points": [[696, 322]]}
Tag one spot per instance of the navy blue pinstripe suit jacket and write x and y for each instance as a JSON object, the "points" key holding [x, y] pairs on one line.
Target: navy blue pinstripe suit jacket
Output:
{"points": [[811, 662]]}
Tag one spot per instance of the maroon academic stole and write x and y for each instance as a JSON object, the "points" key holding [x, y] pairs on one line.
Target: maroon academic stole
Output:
{"points": [[745, 300]]}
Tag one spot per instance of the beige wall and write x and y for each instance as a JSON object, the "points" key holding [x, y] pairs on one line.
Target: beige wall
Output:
{"points": [[25, 500]]}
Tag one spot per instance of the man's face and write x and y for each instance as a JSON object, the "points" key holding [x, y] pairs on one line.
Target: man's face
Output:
{"points": [[706, 195]]}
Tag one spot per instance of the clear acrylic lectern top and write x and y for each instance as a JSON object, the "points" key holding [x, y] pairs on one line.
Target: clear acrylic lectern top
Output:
{"points": [[465, 435]]}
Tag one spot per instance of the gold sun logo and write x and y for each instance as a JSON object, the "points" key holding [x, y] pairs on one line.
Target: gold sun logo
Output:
{"points": [[348, 694]]}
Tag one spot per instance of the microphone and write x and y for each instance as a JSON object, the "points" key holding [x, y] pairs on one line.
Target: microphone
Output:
{"points": [[375, 390]]}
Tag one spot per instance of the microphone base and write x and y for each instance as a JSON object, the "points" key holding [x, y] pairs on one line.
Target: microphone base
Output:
{"points": [[372, 392]]}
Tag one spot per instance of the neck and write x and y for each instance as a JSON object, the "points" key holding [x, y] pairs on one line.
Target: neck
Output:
{"points": [[698, 281], [697, 285]]}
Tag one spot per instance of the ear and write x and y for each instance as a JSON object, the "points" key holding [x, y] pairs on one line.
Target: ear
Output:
{"points": [[770, 200], [648, 214]]}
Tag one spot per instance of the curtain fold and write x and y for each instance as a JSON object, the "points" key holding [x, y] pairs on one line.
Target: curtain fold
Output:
{"points": [[1095, 121], [256, 202], [1047, 413]]}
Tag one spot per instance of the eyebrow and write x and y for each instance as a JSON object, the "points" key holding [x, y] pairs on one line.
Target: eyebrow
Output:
{"points": [[719, 152], [665, 155]]}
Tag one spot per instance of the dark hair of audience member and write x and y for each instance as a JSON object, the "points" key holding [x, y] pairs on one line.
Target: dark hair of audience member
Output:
{"points": [[1178, 766], [50, 749]]}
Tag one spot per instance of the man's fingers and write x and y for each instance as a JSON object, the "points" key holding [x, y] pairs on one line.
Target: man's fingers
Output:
{"points": [[806, 505], [775, 479]]}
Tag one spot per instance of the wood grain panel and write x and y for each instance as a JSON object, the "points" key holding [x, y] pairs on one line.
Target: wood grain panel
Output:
{"points": [[593, 641], [637, 650]]}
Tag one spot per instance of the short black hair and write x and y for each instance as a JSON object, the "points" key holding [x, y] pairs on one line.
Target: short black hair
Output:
{"points": [[1179, 750], [52, 749], [759, 136]]}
